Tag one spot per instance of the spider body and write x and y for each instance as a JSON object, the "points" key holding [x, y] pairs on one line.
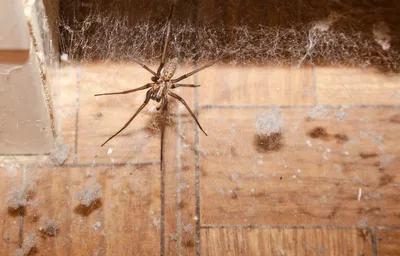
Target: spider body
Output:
{"points": [[162, 82]]}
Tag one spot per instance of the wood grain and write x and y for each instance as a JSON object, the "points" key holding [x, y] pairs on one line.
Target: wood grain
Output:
{"points": [[304, 190], [180, 187], [256, 86], [124, 220], [388, 242], [285, 242], [101, 117], [355, 86], [291, 178]]}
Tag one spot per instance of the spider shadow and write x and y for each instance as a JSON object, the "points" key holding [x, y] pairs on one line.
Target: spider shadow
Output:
{"points": [[161, 119]]}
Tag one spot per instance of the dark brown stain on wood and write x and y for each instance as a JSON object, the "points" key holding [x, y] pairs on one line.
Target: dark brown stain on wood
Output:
{"points": [[188, 243], [368, 155], [265, 143], [233, 151], [234, 195], [87, 210], [385, 179], [395, 119], [319, 133], [182, 204], [341, 138]]}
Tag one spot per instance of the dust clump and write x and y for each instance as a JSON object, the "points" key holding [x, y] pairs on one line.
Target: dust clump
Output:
{"points": [[340, 114], [318, 111], [97, 225], [30, 242], [17, 198], [381, 33], [49, 227], [89, 195], [269, 136], [60, 152], [325, 24], [270, 122]]}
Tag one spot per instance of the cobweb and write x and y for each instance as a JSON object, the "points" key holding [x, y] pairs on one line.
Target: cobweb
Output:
{"points": [[336, 39]]}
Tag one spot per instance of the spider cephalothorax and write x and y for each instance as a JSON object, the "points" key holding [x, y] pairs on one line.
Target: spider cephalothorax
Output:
{"points": [[162, 82]]}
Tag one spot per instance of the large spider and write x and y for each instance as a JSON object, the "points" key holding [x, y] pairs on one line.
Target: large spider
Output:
{"points": [[162, 82]]}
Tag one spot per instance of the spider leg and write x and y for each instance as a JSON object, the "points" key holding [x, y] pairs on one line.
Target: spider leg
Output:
{"points": [[201, 68], [145, 67], [187, 107], [166, 41], [195, 71], [126, 92], [130, 120], [173, 86]]}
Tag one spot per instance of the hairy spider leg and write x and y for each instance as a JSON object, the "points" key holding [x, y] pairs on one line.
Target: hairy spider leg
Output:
{"points": [[196, 70], [145, 67], [126, 92], [203, 67], [130, 120], [166, 41], [173, 86], [176, 96]]}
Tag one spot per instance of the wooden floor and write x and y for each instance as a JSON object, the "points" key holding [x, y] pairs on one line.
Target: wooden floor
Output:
{"points": [[325, 182]]}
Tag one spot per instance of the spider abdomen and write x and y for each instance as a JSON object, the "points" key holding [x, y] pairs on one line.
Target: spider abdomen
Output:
{"points": [[169, 69]]}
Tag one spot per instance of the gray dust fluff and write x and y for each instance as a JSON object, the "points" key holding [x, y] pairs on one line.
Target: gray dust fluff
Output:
{"points": [[269, 122], [88, 195]]}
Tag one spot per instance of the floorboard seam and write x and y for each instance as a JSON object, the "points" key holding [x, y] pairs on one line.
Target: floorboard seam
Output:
{"points": [[295, 227], [373, 242], [162, 190], [77, 105]]}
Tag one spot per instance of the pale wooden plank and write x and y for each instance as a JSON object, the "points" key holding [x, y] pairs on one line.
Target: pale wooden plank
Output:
{"points": [[356, 86], [256, 86], [293, 179], [285, 242], [101, 117], [388, 242]]}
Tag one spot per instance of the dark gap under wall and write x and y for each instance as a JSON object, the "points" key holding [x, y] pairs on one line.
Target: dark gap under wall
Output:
{"points": [[293, 32]]}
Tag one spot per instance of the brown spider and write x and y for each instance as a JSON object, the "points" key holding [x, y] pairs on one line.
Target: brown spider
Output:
{"points": [[162, 82]]}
